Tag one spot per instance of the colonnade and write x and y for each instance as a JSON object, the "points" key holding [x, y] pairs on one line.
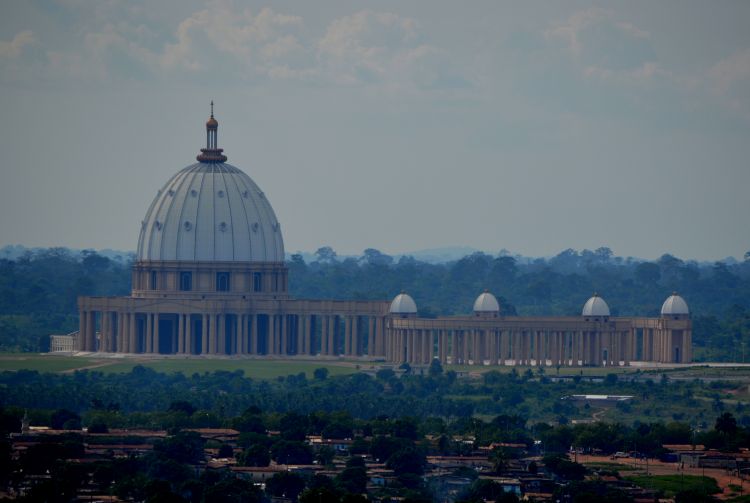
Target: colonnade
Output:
{"points": [[461, 344], [223, 333], [338, 328]]}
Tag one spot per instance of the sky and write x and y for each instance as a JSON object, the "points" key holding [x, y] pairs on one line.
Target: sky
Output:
{"points": [[527, 126]]}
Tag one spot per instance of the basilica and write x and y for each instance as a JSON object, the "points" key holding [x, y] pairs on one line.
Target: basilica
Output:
{"points": [[210, 279]]}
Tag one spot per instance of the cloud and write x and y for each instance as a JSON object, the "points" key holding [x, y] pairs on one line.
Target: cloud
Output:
{"points": [[14, 48], [729, 81], [376, 48], [604, 47], [731, 71], [251, 40], [366, 49]]}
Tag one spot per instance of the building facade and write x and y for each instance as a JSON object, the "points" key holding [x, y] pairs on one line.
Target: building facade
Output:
{"points": [[210, 279]]}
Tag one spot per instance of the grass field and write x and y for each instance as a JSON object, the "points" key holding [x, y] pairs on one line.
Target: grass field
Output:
{"points": [[257, 369], [671, 484], [42, 363], [270, 369]]}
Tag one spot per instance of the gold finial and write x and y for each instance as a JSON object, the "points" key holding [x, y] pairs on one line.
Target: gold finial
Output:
{"points": [[212, 109]]}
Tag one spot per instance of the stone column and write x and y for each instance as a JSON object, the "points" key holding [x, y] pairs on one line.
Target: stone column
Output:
{"points": [[371, 338], [464, 347], [284, 339], [242, 346], [333, 335], [117, 332], [133, 332], [356, 349], [477, 336], [204, 335], [106, 338], [299, 333], [149, 333], [181, 333], [122, 332], [254, 346], [409, 348], [441, 352], [430, 349], [157, 334], [554, 348], [308, 334], [271, 334], [219, 334], [380, 323], [418, 346], [396, 334], [393, 343], [81, 339], [188, 344], [233, 327], [324, 335], [347, 335]]}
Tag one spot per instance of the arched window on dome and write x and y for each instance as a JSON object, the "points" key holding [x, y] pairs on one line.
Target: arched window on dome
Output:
{"points": [[154, 283], [257, 282], [222, 281], [186, 281]]}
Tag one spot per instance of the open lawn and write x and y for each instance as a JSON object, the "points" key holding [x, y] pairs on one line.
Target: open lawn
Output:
{"points": [[254, 368], [671, 484], [42, 362]]}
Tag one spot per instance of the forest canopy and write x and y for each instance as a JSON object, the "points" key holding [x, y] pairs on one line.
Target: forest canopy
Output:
{"points": [[38, 290]]}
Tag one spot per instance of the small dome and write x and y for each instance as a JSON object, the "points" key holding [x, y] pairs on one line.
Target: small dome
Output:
{"points": [[486, 303], [403, 304], [674, 305], [595, 306], [212, 123]]}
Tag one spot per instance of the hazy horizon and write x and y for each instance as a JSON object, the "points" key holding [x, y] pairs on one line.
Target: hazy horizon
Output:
{"points": [[528, 127]]}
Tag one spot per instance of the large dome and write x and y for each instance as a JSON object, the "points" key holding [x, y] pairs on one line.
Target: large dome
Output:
{"points": [[211, 211]]}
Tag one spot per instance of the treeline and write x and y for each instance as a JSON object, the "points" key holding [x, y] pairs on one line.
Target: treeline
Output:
{"points": [[38, 291], [718, 294], [110, 397]]}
